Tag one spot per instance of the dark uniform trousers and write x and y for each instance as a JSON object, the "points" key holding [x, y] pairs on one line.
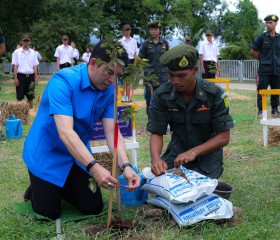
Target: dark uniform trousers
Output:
{"points": [[26, 86], [269, 67], [210, 69], [65, 65], [274, 83]]}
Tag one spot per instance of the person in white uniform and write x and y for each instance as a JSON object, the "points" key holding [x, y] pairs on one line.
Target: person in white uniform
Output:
{"points": [[130, 45], [86, 55], [64, 54], [209, 56]]}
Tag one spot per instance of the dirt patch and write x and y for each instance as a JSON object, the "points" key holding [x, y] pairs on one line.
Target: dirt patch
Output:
{"points": [[141, 104], [104, 159], [228, 152], [234, 96], [141, 130], [138, 91], [274, 136]]}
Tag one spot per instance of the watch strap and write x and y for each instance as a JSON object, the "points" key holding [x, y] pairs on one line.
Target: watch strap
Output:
{"points": [[125, 165]]}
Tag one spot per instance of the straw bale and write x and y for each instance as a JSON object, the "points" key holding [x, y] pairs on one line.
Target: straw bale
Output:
{"points": [[19, 109]]}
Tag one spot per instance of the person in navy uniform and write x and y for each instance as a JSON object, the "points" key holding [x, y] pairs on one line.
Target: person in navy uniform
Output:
{"points": [[152, 49], [266, 49]]}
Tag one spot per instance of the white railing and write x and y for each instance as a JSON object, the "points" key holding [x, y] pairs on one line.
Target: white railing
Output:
{"points": [[234, 69]]}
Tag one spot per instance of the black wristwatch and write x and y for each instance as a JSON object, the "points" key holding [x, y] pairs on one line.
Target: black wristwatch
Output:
{"points": [[124, 166]]}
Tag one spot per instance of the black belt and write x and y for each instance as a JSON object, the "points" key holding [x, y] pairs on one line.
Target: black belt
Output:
{"points": [[211, 62], [25, 74], [67, 64]]}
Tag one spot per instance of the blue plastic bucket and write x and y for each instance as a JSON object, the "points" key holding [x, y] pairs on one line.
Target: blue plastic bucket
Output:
{"points": [[136, 197], [13, 127]]}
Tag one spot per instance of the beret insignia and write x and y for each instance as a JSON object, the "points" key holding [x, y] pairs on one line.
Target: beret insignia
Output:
{"points": [[273, 17], [184, 62]]}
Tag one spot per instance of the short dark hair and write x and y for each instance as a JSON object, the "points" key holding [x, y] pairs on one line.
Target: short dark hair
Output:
{"points": [[101, 52]]}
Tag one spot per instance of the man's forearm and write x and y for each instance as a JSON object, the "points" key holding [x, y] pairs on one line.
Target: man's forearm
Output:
{"points": [[156, 145]]}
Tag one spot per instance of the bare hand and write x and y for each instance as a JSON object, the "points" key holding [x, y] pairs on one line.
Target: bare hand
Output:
{"points": [[36, 80], [183, 158], [159, 167], [103, 177], [16, 82], [203, 70], [132, 178]]}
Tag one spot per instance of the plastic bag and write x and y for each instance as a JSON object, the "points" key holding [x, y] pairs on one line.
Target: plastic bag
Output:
{"points": [[207, 207], [177, 189]]}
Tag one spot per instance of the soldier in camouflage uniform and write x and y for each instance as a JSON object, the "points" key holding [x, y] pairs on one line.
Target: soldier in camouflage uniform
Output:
{"points": [[198, 114], [152, 49]]}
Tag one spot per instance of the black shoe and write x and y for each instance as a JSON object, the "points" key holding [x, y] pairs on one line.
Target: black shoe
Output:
{"points": [[274, 111], [260, 113], [27, 194]]}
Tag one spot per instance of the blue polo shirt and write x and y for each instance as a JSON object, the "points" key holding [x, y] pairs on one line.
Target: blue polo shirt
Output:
{"points": [[68, 93]]}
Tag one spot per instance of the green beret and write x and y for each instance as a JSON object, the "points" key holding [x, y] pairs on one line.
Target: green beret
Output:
{"points": [[154, 24], [181, 57], [271, 17]]}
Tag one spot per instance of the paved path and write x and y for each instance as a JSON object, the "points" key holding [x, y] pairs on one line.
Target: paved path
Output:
{"points": [[239, 86]]}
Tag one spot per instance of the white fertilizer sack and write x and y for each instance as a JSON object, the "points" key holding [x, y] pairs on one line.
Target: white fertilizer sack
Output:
{"points": [[205, 208], [178, 189]]}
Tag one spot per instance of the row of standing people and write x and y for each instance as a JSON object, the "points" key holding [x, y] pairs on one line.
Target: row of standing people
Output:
{"points": [[25, 63]]}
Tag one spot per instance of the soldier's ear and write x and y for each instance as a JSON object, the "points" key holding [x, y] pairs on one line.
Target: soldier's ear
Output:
{"points": [[195, 68]]}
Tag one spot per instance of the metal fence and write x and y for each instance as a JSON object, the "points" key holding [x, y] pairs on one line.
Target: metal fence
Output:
{"points": [[235, 70]]}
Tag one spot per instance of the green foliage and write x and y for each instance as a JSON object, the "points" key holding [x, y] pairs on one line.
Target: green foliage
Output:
{"points": [[236, 51], [47, 21], [239, 29], [128, 114]]}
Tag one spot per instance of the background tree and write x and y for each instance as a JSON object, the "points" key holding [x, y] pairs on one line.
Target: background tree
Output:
{"points": [[17, 17], [239, 29], [47, 21]]}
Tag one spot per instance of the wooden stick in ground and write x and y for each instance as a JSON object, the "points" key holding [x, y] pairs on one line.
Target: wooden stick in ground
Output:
{"points": [[119, 199], [115, 156], [110, 205]]}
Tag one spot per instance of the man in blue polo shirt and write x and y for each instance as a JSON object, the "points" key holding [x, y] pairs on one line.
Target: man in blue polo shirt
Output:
{"points": [[57, 151]]}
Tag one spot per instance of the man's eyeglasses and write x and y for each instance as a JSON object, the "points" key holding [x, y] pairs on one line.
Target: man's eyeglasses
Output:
{"points": [[26, 40]]}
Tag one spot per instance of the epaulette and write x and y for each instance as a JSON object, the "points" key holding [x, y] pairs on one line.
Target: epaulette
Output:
{"points": [[165, 87]]}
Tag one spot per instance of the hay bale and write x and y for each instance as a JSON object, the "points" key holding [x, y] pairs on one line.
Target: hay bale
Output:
{"points": [[19, 109], [273, 136]]}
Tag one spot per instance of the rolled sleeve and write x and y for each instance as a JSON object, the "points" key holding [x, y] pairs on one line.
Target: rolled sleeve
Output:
{"points": [[222, 123], [157, 123]]}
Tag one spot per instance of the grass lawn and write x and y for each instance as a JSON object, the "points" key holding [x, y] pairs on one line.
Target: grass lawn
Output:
{"points": [[252, 169]]}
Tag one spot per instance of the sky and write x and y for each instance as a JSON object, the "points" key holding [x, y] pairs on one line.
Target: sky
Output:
{"points": [[265, 7]]}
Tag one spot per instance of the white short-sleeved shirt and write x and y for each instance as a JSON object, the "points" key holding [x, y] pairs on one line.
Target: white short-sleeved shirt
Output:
{"points": [[38, 55], [76, 53], [64, 53], [130, 45], [210, 51], [25, 60], [86, 57]]}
